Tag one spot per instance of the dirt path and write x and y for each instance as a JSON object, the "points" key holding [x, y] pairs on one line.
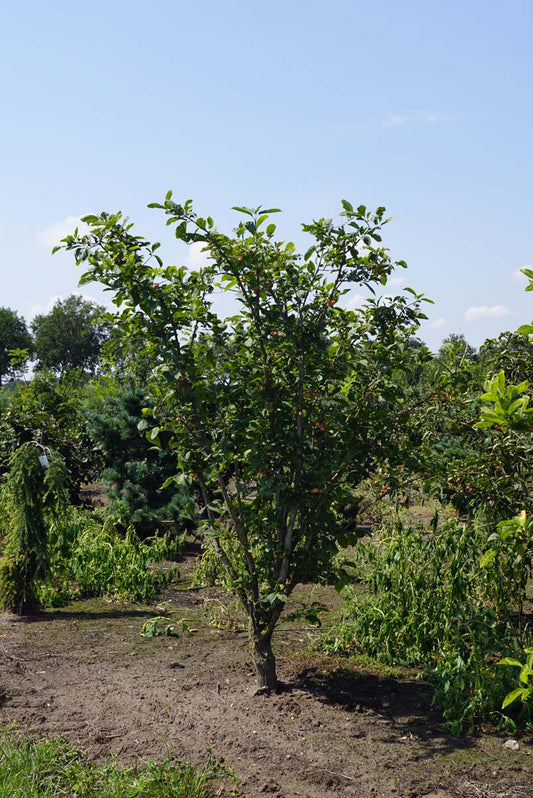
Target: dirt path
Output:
{"points": [[86, 672]]}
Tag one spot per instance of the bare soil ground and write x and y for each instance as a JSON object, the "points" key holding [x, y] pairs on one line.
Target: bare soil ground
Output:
{"points": [[85, 672]]}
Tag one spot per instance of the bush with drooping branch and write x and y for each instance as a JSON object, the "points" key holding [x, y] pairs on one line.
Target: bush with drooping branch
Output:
{"points": [[35, 492]]}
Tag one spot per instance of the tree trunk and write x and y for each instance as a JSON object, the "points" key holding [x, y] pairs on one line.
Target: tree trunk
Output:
{"points": [[265, 663]]}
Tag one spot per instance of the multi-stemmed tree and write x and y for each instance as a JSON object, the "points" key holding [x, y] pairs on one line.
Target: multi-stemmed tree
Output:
{"points": [[278, 411]]}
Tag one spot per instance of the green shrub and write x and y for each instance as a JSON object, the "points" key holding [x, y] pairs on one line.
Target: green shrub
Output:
{"points": [[417, 583], [431, 603], [467, 684], [92, 558]]}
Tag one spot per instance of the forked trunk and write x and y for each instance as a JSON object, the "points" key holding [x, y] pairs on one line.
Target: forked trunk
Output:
{"points": [[265, 664]]}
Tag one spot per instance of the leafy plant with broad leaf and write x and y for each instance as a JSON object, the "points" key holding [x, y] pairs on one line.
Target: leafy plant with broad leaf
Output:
{"points": [[525, 691], [509, 411], [508, 405], [276, 412], [512, 551], [91, 557]]}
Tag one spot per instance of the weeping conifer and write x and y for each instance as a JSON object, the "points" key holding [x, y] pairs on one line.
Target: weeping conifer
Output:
{"points": [[35, 491]]}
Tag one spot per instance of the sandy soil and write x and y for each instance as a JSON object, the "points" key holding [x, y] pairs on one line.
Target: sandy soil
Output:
{"points": [[84, 671]]}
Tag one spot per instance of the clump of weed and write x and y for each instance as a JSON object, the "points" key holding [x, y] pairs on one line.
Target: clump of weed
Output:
{"points": [[46, 769]]}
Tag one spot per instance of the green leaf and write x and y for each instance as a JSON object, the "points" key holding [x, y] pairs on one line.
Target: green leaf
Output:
{"points": [[154, 627], [182, 479], [510, 697], [487, 558], [510, 661], [342, 581], [275, 599], [524, 675]]}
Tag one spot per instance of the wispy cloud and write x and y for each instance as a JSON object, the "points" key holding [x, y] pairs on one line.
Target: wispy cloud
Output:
{"points": [[477, 312], [356, 301], [418, 118], [38, 308], [439, 323], [395, 282], [51, 235], [195, 257]]}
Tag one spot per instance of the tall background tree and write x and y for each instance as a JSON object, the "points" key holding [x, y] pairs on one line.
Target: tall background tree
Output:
{"points": [[14, 335], [70, 336]]}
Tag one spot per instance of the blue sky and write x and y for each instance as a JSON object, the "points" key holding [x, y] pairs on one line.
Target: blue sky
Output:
{"points": [[422, 106]]}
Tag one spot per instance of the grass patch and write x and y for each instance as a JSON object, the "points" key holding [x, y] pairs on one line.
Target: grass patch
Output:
{"points": [[31, 768]]}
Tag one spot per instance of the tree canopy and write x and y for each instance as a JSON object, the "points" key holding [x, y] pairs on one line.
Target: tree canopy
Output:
{"points": [[70, 336], [14, 335]]}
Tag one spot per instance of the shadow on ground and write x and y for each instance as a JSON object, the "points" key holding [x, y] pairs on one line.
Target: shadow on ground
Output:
{"points": [[404, 704], [88, 615]]}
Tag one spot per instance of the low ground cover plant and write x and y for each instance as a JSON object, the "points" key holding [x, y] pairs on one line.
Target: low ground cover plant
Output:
{"points": [[32, 768]]}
